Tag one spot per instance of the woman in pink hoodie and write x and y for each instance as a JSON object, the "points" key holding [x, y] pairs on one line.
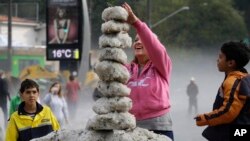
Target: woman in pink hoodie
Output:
{"points": [[150, 78]]}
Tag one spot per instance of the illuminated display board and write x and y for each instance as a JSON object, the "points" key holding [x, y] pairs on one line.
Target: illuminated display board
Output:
{"points": [[63, 53], [64, 29]]}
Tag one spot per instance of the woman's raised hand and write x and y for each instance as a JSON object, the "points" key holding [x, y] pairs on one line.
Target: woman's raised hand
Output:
{"points": [[132, 18]]}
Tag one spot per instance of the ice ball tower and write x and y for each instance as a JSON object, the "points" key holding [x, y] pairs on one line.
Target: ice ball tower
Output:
{"points": [[112, 122], [112, 109]]}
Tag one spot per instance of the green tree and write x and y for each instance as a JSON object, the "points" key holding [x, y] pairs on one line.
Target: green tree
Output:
{"points": [[26, 9], [96, 8], [244, 7], [207, 23], [215, 22]]}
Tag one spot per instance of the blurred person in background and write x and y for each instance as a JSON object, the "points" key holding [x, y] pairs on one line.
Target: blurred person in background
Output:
{"points": [[192, 92], [72, 95], [14, 103], [31, 120], [16, 100], [150, 78], [56, 101], [4, 96]]}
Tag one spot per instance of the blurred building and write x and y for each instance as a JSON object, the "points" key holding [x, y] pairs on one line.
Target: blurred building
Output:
{"points": [[25, 33], [28, 45]]}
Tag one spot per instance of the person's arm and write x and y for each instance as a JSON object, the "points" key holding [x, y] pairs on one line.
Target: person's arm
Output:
{"points": [[65, 110], [11, 131], [46, 100], [56, 32], [196, 90], [54, 122], [78, 85], [230, 109], [156, 50]]}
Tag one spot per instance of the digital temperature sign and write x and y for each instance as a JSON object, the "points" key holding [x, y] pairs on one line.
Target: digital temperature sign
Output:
{"points": [[63, 53], [64, 19]]}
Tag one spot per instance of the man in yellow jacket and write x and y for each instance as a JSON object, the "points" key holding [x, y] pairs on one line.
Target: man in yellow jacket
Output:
{"points": [[32, 120]]}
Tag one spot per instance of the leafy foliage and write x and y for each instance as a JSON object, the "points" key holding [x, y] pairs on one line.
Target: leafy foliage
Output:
{"points": [[244, 7], [96, 8], [207, 23], [25, 9]]}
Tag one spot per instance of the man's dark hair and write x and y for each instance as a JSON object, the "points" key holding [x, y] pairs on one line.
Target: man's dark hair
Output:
{"points": [[71, 77], [28, 83], [236, 51]]}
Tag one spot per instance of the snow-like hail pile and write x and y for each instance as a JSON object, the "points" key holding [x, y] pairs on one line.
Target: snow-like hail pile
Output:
{"points": [[112, 121]]}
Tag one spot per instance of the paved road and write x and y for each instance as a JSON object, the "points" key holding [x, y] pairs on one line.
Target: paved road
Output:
{"points": [[184, 125]]}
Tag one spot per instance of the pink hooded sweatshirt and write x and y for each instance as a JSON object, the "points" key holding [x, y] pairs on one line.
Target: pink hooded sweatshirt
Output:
{"points": [[150, 89]]}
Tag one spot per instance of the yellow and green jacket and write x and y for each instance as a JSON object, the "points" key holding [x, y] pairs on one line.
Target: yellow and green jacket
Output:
{"points": [[22, 127]]}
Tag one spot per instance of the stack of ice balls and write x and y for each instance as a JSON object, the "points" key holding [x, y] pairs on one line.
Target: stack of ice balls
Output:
{"points": [[112, 109]]}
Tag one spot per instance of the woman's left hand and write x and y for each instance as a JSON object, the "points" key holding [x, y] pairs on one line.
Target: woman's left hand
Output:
{"points": [[132, 18]]}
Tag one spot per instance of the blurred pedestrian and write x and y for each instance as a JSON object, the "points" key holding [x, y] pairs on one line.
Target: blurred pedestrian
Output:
{"points": [[32, 120], [4, 96], [56, 101], [14, 103], [150, 78], [16, 100], [228, 107], [192, 92], [72, 90]]}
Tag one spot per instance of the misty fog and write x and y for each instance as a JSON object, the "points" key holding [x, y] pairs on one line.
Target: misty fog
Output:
{"points": [[186, 64], [202, 66]]}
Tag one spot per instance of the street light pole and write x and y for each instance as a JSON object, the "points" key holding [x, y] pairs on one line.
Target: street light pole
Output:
{"points": [[9, 50], [84, 64], [170, 15], [149, 12]]}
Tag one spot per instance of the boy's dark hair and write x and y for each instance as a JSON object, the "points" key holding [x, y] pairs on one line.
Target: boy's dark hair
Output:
{"points": [[236, 51], [28, 83]]}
